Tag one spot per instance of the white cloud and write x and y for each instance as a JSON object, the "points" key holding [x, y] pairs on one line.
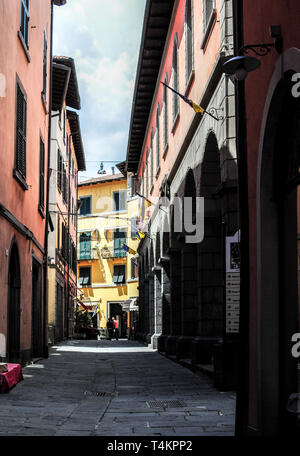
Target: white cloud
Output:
{"points": [[103, 36]]}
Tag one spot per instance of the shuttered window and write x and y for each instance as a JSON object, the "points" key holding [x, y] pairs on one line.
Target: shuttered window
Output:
{"points": [[42, 175], [24, 20], [146, 179], [20, 164], [208, 7], [58, 232], [165, 113], [84, 276], [188, 39], [119, 200], [134, 227], [175, 77], [133, 268], [59, 170], [157, 140], [45, 67], [151, 160], [85, 207], [119, 240], [85, 246], [119, 274]]}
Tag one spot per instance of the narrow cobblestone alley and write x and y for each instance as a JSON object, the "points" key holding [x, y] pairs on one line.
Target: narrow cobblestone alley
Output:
{"points": [[113, 388]]}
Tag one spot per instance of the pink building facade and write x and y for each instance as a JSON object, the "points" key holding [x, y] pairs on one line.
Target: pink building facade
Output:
{"points": [[185, 288], [25, 56]]}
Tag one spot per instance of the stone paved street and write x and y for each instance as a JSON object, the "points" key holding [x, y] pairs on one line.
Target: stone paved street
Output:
{"points": [[113, 388]]}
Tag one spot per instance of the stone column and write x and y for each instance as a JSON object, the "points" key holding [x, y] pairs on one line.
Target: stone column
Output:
{"points": [[157, 306]]}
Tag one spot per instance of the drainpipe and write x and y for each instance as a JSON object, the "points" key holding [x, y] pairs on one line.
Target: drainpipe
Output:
{"points": [[242, 402], [45, 300]]}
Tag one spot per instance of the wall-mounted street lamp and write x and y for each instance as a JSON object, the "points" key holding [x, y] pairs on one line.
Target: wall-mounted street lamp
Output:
{"points": [[240, 66]]}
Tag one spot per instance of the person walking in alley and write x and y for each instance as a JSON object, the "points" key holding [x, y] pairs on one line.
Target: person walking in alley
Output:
{"points": [[110, 328], [116, 328]]}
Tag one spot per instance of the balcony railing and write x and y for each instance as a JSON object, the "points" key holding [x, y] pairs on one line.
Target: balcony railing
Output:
{"points": [[110, 253]]}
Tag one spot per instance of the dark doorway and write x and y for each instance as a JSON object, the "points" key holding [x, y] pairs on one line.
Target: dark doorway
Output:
{"points": [[36, 328], [279, 253], [14, 286], [59, 312], [117, 312]]}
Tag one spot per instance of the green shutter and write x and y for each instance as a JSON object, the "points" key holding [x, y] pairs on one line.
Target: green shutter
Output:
{"points": [[85, 246], [119, 240]]}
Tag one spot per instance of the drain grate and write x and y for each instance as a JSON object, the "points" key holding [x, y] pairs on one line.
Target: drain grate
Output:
{"points": [[96, 393], [166, 404]]}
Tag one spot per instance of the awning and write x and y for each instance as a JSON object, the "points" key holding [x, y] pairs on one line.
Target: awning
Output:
{"points": [[130, 304]]}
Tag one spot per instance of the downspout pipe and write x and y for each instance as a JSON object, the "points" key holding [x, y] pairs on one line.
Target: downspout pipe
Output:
{"points": [[242, 402]]}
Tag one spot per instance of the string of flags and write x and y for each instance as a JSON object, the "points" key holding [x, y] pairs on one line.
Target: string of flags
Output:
{"points": [[196, 107]]}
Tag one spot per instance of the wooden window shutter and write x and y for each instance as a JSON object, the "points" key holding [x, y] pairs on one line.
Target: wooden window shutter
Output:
{"points": [[42, 175], [21, 133], [45, 66]]}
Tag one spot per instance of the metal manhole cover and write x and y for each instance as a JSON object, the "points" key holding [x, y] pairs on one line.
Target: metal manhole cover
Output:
{"points": [[166, 404]]}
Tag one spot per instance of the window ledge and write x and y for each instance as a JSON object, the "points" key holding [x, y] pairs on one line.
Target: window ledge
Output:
{"points": [[189, 83], [210, 25], [175, 123], [132, 280], [41, 211], [24, 46], [20, 179]]}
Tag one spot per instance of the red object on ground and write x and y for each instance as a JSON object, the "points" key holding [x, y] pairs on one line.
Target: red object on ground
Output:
{"points": [[10, 378]]}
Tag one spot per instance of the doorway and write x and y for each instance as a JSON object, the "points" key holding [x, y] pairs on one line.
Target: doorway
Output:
{"points": [[279, 253], [116, 311], [14, 311], [36, 328]]}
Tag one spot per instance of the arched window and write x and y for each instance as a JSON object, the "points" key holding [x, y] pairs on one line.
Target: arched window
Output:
{"points": [[157, 140], [165, 97], [175, 77], [189, 53]]}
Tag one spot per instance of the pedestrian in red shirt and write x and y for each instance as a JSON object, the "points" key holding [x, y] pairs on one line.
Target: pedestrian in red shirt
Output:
{"points": [[116, 328]]}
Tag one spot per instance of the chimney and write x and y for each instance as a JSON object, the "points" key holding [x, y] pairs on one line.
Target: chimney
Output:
{"points": [[113, 170]]}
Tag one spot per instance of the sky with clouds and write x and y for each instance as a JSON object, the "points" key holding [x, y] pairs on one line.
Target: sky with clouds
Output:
{"points": [[103, 37]]}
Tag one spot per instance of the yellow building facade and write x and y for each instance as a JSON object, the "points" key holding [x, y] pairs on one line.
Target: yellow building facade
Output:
{"points": [[107, 274]]}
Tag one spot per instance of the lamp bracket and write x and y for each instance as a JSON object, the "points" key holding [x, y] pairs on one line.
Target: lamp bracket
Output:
{"points": [[264, 48], [258, 49]]}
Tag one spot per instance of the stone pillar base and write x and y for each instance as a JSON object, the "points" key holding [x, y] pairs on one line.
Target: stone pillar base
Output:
{"points": [[154, 341], [148, 338], [184, 348], [170, 345], [161, 343], [202, 350]]}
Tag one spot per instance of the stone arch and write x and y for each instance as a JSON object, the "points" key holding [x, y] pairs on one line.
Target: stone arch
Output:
{"points": [[277, 246], [211, 249]]}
